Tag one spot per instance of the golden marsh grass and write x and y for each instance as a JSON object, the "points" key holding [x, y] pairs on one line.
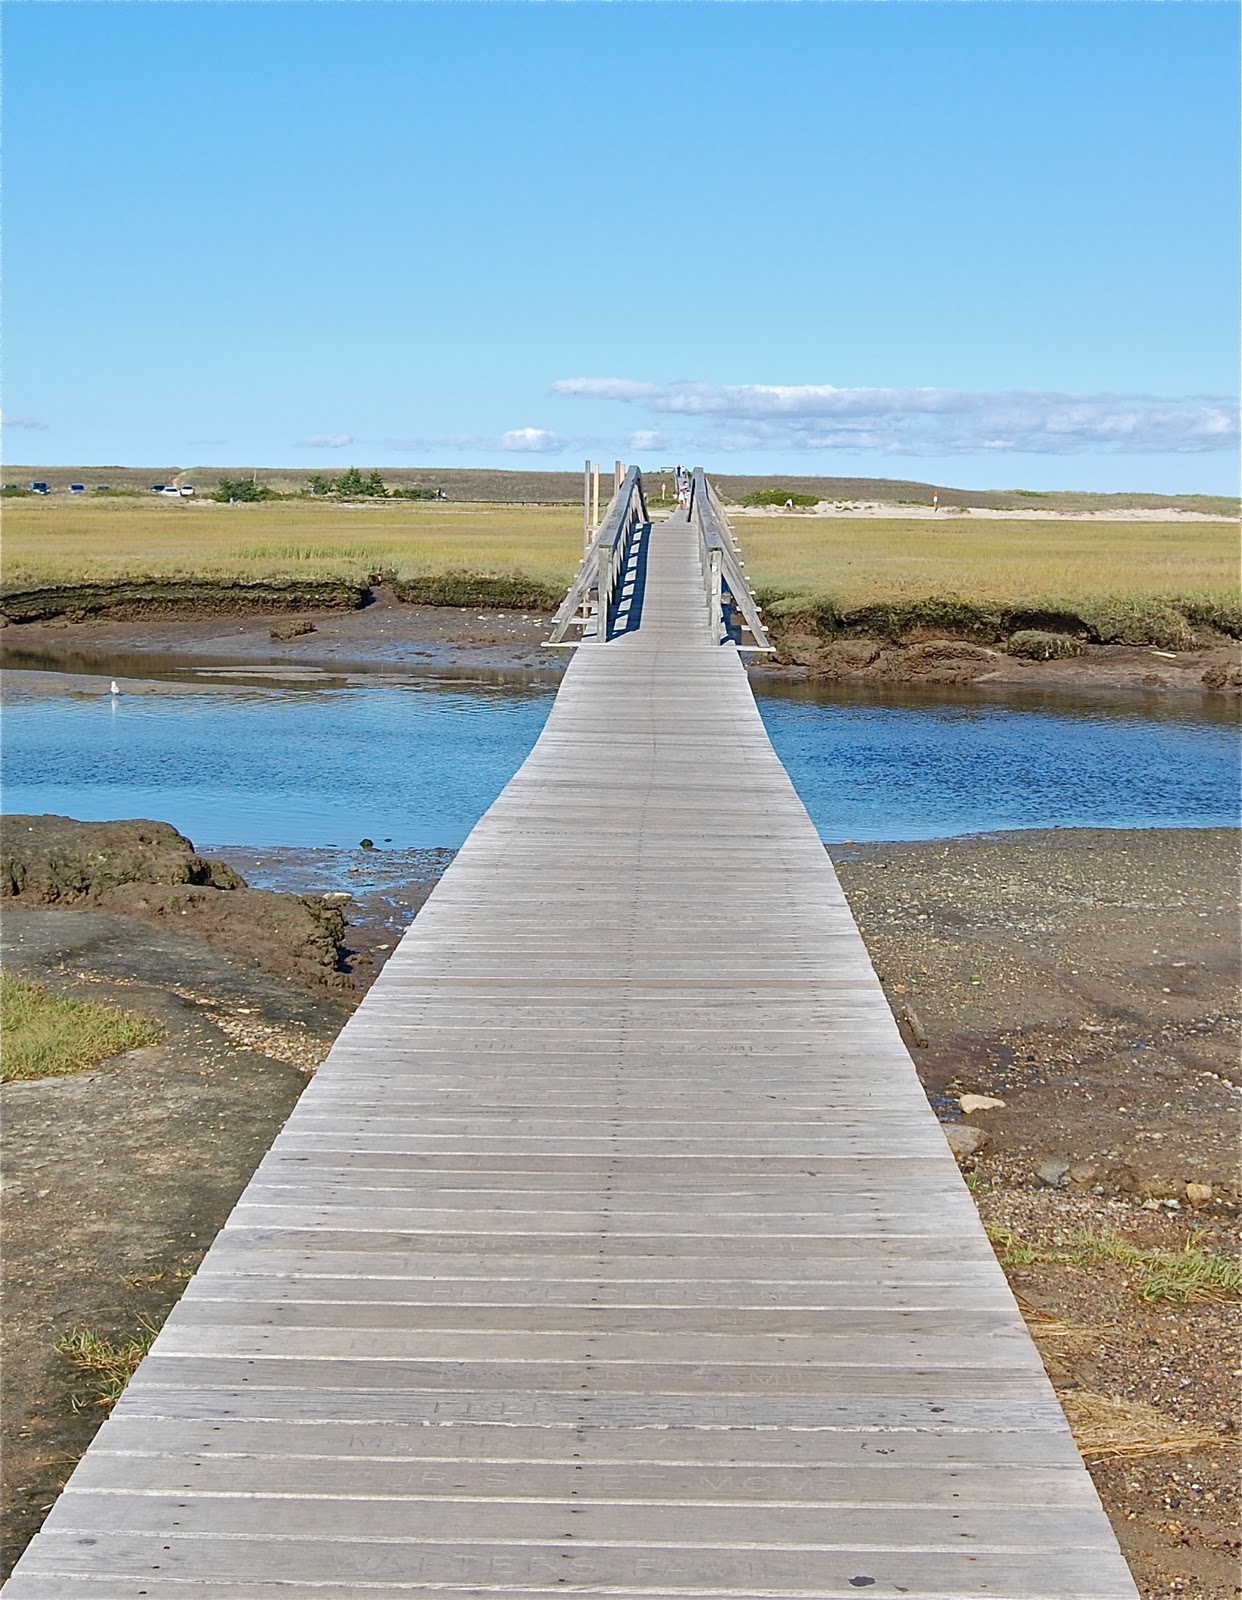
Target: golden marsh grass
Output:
{"points": [[59, 542], [868, 562], [1132, 582]]}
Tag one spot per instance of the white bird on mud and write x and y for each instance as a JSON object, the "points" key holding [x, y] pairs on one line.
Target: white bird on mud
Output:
{"points": [[115, 687]]}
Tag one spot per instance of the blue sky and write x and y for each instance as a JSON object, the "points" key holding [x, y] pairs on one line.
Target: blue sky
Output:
{"points": [[976, 244]]}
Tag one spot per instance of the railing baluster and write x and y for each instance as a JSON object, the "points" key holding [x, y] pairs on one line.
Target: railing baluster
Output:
{"points": [[604, 558], [722, 566]]}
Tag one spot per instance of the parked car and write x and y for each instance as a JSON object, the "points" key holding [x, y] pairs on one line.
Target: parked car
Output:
{"points": [[40, 488], [77, 488]]}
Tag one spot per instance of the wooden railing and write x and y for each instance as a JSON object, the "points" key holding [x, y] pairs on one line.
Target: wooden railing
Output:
{"points": [[725, 584], [589, 601]]}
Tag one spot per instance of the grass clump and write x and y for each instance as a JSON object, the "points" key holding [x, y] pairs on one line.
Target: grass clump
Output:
{"points": [[1035, 645], [45, 1035], [108, 1364], [1177, 1277]]}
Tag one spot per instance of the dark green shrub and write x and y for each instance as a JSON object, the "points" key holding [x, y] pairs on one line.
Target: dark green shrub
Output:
{"points": [[242, 489], [778, 497]]}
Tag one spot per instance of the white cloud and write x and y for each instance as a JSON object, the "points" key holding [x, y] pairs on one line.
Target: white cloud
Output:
{"points": [[522, 440], [606, 389], [535, 439], [21, 422], [927, 421], [327, 441]]}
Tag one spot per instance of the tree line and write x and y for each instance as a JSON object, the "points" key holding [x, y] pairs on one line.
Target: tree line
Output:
{"points": [[350, 485]]}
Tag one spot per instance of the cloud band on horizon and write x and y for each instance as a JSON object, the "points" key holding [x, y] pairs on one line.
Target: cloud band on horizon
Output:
{"points": [[738, 417]]}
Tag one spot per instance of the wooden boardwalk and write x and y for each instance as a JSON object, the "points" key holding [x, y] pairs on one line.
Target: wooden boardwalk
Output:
{"points": [[614, 1248]]}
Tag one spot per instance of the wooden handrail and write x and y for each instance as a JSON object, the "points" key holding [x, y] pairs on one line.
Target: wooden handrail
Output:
{"points": [[596, 579], [721, 561]]}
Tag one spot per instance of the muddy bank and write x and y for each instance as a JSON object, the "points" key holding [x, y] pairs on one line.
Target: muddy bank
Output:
{"points": [[386, 635], [389, 635], [385, 889], [1032, 660], [149, 871]]}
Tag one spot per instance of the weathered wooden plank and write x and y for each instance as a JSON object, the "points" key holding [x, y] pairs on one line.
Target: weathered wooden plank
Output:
{"points": [[826, 1571], [614, 1245]]}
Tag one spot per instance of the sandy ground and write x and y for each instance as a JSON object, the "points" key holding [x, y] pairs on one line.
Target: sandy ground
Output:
{"points": [[920, 513], [1088, 979]]}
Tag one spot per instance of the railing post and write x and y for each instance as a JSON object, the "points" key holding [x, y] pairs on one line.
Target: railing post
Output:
{"points": [[586, 506], [715, 599], [595, 499]]}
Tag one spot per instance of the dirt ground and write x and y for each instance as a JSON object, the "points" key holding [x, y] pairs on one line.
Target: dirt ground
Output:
{"points": [[1086, 978], [117, 1180]]}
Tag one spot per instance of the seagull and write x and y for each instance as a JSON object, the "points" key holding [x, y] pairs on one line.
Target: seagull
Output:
{"points": [[115, 687]]}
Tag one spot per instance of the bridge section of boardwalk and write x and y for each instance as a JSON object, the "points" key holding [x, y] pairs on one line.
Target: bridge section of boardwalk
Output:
{"points": [[614, 1248]]}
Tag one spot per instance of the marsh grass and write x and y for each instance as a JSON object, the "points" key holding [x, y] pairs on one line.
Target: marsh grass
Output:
{"points": [[1177, 1277], [108, 1364], [1118, 582], [44, 1035], [1170, 584], [66, 542]]}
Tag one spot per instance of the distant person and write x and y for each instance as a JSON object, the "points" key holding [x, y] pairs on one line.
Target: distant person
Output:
{"points": [[935, 499]]}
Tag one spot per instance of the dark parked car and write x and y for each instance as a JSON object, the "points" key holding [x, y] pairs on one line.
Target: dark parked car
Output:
{"points": [[40, 488]]}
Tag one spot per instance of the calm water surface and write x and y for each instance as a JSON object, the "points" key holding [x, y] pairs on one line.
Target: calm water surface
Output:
{"points": [[418, 764]]}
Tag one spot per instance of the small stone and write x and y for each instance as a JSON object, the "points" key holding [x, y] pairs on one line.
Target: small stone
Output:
{"points": [[292, 629], [339, 897], [979, 1102], [1053, 1173], [1083, 1172], [1198, 1194], [964, 1142]]}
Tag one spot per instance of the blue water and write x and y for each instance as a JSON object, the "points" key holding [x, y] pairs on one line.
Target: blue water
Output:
{"points": [[910, 768], [417, 764]]}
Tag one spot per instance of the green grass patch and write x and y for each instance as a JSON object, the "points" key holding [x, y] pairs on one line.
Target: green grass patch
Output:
{"points": [[45, 1035], [1194, 1272], [107, 1364]]}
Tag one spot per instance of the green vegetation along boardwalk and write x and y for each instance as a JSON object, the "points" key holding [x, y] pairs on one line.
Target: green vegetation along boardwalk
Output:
{"points": [[614, 1248]]}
